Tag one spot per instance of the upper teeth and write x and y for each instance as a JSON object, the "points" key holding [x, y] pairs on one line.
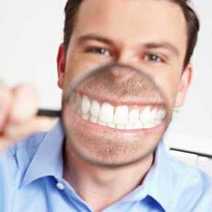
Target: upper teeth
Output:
{"points": [[121, 117]]}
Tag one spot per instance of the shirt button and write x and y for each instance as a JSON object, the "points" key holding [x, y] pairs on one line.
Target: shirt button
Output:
{"points": [[60, 186]]}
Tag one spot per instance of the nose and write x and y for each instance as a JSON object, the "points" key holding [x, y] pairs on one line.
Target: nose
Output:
{"points": [[128, 59], [122, 75]]}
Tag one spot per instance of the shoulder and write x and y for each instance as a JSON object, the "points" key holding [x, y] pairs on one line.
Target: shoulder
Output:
{"points": [[22, 152], [193, 187], [189, 175], [13, 164], [19, 156]]}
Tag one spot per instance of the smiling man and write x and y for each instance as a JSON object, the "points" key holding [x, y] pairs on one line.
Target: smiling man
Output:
{"points": [[107, 152]]}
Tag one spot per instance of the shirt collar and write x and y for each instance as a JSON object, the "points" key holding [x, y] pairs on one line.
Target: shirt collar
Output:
{"points": [[48, 160], [160, 180]]}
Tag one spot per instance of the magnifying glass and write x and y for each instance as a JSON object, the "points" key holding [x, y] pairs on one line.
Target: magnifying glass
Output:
{"points": [[114, 111], [116, 96]]}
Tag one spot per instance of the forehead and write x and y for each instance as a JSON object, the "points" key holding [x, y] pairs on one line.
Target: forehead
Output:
{"points": [[133, 20]]}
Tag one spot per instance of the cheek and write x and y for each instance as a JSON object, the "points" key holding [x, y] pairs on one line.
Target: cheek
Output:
{"points": [[79, 60], [78, 64], [168, 82]]}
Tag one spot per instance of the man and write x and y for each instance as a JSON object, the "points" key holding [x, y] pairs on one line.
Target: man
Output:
{"points": [[94, 167]]}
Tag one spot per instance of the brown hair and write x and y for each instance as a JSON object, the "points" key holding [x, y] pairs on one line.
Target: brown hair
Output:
{"points": [[193, 25]]}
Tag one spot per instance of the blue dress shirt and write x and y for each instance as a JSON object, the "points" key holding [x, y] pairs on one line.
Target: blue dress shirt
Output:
{"points": [[31, 180]]}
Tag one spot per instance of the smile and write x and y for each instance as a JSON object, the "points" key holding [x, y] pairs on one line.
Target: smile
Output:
{"points": [[122, 117]]}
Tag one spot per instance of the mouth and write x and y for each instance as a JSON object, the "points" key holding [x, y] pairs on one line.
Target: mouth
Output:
{"points": [[120, 116]]}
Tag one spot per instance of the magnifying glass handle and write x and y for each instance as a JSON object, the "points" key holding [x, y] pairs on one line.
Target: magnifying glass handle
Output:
{"points": [[49, 113]]}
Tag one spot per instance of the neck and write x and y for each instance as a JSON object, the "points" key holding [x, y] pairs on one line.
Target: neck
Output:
{"points": [[101, 186]]}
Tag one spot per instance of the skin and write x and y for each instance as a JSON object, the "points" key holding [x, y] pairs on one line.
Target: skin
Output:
{"points": [[18, 120], [149, 35]]}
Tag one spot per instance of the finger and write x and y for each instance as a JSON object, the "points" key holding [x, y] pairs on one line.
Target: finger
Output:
{"points": [[25, 103], [5, 104]]}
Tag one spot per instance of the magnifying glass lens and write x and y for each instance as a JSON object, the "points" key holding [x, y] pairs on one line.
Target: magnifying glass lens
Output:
{"points": [[116, 96]]}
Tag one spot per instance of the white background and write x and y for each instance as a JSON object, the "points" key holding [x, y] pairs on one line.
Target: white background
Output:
{"points": [[31, 31]]}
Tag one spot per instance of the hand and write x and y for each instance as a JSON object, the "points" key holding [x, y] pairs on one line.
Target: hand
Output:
{"points": [[18, 107]]}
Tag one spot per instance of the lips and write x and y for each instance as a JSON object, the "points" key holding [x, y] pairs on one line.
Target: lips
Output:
{"points": [[123, 116]]}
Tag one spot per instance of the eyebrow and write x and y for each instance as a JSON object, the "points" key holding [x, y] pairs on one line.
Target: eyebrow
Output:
{"points": [[95, 37], [163, 45], [148, 45]]}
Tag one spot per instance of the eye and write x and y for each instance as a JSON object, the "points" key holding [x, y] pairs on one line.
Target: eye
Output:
{"points": [[154, 58], [98, 50]]}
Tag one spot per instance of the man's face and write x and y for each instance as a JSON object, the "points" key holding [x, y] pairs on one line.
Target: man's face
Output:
{"points": [[148, 35]]}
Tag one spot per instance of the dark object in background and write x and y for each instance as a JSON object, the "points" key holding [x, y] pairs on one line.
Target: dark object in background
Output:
{"points": [[49, 113]]}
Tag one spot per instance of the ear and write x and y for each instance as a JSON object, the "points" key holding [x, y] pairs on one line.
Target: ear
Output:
{"points": [[184, 84], [61, 66]]}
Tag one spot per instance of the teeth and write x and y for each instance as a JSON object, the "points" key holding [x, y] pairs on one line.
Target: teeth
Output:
{"points": [[106, 113], [86, 104], [149, 124], [146, 117], [135, 125], [121, 117], [161, 114], [134, 116], [102, 123], [121, 126], [93, 119], [112, 125], [95, 108], [146, 114]]}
